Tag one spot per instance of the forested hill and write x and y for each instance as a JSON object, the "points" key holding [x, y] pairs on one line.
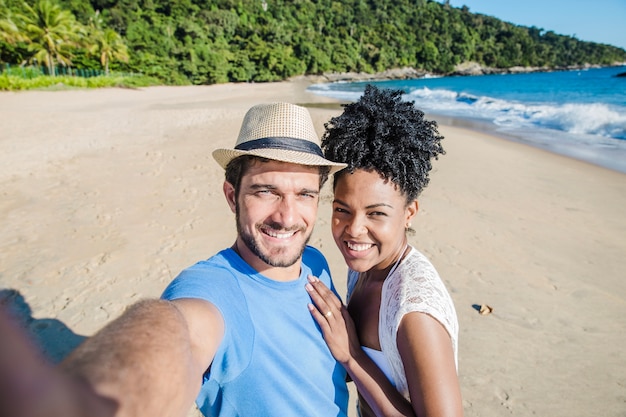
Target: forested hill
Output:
{"points": [[202, 41]]}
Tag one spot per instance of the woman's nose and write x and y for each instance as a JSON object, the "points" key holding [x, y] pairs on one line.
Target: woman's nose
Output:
{"points": [[355, 226]]}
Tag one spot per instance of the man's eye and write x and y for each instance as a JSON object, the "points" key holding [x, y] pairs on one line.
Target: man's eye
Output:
{"points": [[265, 193]]}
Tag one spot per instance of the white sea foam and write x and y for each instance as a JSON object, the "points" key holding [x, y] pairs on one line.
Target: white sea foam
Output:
{"points": [[580, 119]]}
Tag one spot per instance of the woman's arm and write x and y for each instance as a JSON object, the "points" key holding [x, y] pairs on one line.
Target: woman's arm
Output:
{"points": [[428, 357], [340, 335]]}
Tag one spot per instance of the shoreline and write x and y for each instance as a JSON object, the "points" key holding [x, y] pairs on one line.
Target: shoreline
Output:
{"points": [[486, 128], [594, 157], [108, 194], [608, 152]]}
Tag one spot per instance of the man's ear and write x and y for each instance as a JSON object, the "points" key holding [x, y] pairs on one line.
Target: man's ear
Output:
{"points": [[231, 197]]}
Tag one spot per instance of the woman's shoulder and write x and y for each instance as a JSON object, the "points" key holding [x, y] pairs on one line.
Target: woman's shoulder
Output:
{"points": [[415, 266], [415, 255], [416, 286]]}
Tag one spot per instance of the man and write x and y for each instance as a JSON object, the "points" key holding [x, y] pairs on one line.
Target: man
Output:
{"points": [[235, 331], [270, 358]]}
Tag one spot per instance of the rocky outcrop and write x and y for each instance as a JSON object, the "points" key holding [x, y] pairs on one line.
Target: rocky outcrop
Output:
{"points": [[392, 74], [407, 73], [474, 68]]}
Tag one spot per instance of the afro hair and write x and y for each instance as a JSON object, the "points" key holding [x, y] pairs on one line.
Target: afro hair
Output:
{"points": [[381, 132]]}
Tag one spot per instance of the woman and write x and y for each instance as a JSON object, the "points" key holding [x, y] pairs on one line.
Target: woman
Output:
{"points": [[397, 338]]}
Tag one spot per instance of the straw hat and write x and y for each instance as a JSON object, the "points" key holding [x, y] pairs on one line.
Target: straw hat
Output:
{"points": [[281, 132]]}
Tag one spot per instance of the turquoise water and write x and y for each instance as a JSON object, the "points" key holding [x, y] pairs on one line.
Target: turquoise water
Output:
{"points": [[581, 113]]}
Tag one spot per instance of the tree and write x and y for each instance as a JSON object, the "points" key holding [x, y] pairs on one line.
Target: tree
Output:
{"points": [[9, 32], [107, 43], [50, 33]]}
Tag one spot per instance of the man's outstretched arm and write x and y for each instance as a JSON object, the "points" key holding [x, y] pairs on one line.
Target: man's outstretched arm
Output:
{"points": [[150, 360]]}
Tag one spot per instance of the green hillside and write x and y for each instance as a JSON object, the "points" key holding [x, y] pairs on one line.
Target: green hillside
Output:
{"points": [[205, 42]]}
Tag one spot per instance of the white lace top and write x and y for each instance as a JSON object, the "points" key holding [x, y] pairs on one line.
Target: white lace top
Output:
{"points": [[414, 285]]}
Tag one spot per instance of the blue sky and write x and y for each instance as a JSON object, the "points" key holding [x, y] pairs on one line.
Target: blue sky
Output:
{"points": [[602, 21]]}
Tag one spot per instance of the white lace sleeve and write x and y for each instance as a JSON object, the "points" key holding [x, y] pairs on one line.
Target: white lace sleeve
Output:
{"points": [[415, 285]]}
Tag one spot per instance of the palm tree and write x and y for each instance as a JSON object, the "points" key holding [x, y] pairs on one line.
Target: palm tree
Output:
{"points": [[107, 43], [50, 33], [111, 46], [9, 32]]}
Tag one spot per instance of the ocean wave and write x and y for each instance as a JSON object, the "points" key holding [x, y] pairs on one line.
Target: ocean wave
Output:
{"points": [[595, 119], [581, 119]]}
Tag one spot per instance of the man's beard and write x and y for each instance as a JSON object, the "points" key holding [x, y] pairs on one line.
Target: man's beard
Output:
{"points": [[271, 260]]}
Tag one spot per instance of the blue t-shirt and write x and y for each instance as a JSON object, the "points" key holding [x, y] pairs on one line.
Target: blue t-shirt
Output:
{"points": [[273, 360]]}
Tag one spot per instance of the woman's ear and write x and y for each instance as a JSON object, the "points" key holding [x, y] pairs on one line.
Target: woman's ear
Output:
{"points": [[411, 211], [231, 197]]}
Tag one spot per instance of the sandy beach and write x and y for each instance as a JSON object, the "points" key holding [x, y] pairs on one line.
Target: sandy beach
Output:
{"points": [[107, 194]]}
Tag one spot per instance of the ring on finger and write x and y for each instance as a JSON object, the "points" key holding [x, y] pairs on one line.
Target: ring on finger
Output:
{"points": [[328, 314]]}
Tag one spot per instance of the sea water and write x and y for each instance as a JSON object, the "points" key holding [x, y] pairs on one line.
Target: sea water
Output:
{"points": [[577, 113]]}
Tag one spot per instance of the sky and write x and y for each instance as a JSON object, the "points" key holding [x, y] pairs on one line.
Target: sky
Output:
{"points": [[602, 21]]}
